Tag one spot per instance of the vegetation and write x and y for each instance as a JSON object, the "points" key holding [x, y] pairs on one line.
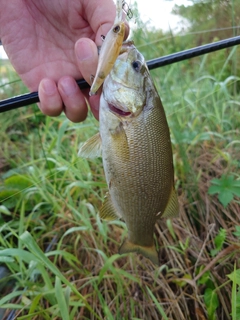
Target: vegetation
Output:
{"points": [[58, 260]]}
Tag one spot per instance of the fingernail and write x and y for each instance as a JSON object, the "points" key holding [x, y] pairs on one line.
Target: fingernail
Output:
{"points": [[83, 50], [48, 87], [69, 87]]}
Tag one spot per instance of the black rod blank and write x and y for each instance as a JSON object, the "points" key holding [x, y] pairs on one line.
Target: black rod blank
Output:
{"points": [[30, 98], [192, 53]]}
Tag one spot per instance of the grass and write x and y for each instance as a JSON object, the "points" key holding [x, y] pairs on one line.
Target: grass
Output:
{"points": [[60, 261]]}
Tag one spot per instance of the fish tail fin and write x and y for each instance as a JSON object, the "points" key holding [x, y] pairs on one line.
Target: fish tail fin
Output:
{"points": [[148, 252]]}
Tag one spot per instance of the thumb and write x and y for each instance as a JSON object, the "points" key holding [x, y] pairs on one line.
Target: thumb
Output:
{"points": [[87, 58]]}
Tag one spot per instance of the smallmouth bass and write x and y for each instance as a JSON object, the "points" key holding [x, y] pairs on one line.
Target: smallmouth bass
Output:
{"points": [[134, 142]]}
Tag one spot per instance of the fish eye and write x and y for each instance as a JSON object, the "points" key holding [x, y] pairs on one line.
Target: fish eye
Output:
{"points": [[136, 65], [116, 29]]}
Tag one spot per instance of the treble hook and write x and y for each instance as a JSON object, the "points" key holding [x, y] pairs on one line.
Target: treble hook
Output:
{"points": [[127, 10]]}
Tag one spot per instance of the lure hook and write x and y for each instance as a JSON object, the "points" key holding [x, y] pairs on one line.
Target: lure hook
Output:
{"points": [[126, 9]]}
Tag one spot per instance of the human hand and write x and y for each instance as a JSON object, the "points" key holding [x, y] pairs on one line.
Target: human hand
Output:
{"points": [[51, 44]]}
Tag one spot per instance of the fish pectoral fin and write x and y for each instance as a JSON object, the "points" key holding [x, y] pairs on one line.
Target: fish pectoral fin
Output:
{"points": [[92, 148], [148, 252], [121, 144], [172, 208], [108, 211]]}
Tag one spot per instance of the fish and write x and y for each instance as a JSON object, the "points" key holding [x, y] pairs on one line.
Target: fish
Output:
{"points": [[110, 49], [135, 146]]}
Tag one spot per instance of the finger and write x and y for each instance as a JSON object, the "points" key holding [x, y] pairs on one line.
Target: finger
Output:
{"points": [[50, 99], [102, 19], [94, 104], [74, 101], [87, 58]]}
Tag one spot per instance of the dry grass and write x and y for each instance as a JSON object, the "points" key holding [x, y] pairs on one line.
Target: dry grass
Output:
{"points": [[118, 286]]}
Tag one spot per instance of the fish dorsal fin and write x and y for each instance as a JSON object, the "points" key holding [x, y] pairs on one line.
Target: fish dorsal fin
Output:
{"points": [[172, 208], [92, 148], [148, 252], [108, 211]]}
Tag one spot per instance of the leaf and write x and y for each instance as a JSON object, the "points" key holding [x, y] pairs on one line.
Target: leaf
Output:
{"points": [[219, 241], [19, 182], [217, 182], [33, 247], [204, 278], [11, 252], [225, 197], [181, 281], [236, 190], [226, 187], [61, 132], [62, 303], [234, 295], [10, 296], [213, 189], [237, 305], [237, 183], [211, 301], [9, 198], [35, 303], [220, 238], [158, 305], [6, 259], [5, 210], [235, 276], [237, 232]]}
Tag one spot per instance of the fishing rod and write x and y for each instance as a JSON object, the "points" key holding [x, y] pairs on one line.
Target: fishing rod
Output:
{"points": [[30, 98]]}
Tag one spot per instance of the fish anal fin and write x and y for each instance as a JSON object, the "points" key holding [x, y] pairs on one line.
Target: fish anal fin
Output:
{"points": [[108, 211], [92, 148], [148, 252], [172, 208]]}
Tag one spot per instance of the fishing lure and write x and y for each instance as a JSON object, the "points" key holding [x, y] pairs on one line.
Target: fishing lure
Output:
{"points": [[110, 49]]}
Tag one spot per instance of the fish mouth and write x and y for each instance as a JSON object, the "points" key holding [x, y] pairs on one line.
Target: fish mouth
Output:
{"points": [[119, 111]]}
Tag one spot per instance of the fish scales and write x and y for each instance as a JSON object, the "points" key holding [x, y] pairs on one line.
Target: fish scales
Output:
{"points": [[136, 153], [142, 175]]}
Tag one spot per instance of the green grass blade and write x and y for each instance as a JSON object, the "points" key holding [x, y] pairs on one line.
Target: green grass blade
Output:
{"points": [[62, 304], [158, 305], [234, 294], [37, 252]]}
